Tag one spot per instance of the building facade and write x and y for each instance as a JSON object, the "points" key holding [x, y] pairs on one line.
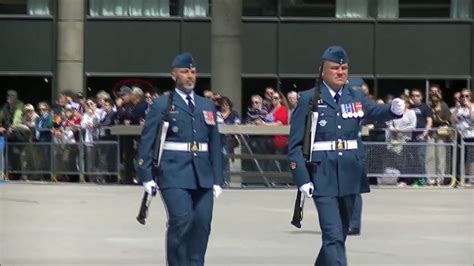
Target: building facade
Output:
{"points": [[50, 45]]}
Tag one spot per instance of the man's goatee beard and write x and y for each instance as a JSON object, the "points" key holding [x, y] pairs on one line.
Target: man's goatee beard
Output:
{"points": [[187, 89]]}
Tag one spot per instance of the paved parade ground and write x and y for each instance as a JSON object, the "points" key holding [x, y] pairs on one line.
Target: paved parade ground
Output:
{"points": [[73, 224]]}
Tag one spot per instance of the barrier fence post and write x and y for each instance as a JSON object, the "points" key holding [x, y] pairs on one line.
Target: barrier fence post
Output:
{"points": [[2, 159], [119, 177]]}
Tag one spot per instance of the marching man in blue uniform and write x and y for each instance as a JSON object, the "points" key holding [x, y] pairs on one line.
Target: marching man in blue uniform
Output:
{"points": [[190, 170], [333, 175]]}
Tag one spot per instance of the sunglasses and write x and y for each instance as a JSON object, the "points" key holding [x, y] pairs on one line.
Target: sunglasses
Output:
{"points": [[464, 96]]}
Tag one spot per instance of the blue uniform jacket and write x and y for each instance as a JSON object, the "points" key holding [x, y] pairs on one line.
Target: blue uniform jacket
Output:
{"points": [[179, 169], [339, 173]]}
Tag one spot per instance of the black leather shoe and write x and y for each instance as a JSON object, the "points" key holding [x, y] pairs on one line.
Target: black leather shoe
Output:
{"points": [[353, 232]]}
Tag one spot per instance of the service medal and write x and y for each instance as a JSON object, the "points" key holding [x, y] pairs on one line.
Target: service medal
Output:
{"points": [[209, 118], [350, 112], [356, 114], [344, 111]]}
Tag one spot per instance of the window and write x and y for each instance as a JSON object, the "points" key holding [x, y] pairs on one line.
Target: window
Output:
{"points": [[461, 9], [30, 89], [353, 8], [425, 8], [308, 8], [25, 7], [149, 8], [263, 8]]}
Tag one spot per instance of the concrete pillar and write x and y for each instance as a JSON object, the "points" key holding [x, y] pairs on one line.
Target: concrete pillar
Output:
{"points": [[70, 46], [226, 47]]}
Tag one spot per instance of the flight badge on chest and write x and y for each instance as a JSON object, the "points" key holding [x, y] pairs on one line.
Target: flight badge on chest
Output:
{"points": [[323, 123], [209, 118]]}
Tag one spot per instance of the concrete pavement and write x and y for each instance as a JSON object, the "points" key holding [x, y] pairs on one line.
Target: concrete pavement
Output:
{"points": [[74, 224]]}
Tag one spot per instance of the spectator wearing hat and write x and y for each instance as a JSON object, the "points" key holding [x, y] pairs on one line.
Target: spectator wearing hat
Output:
{"points": [[127, 151], [190, 171], [335, 152], [78, 102], [124, 105]]}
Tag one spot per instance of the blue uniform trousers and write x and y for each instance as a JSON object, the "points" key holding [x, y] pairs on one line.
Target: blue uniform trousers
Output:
{"points": [[356, 213], [189, 225], [334, 216]]}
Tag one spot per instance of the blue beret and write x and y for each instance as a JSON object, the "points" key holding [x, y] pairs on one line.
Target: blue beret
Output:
{"points": [[335, 54], [184, 60]]}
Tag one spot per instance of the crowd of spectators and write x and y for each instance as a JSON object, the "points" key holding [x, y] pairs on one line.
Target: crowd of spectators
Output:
{"points": [[74, 118], [424, 124]]}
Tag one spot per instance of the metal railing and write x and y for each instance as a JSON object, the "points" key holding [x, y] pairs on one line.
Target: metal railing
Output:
{"points": [[48, 160], [466, 161], [255, 161], [434, 159]]}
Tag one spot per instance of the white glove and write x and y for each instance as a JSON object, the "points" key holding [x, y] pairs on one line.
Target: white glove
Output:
{"points": [[398, 106], [217, 191], [307, 189], [150, 187]]}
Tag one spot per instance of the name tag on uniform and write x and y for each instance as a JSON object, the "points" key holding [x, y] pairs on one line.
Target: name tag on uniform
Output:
{"points": [[209, 118], [322, 106]]}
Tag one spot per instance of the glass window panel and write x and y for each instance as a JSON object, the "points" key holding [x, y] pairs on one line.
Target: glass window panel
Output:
{"points": [[308, 8], [461, 9], [134, 8], [387, 8], [425, 8], [263, 8], [196, 8], [352, 8], [26, 7]]}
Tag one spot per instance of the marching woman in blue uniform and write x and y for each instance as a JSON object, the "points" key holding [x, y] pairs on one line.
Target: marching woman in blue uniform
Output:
{"points": [[334, 175], [190, 171]]}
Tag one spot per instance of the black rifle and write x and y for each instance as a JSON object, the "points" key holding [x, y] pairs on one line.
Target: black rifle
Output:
{"points": [[146, 200], [313, 107]]}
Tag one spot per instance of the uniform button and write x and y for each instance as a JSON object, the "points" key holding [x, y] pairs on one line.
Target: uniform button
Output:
{"points": [[194, 130], [193, 118], [195, 154], [340, 153], [339, 126], [337, 113]]}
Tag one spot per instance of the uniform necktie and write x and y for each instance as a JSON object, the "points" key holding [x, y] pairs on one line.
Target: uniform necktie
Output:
{"points": [[190, 103], [336, 97]]}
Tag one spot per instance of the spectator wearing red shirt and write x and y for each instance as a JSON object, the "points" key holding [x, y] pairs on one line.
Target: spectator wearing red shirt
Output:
{"points": [[279, 116]]}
